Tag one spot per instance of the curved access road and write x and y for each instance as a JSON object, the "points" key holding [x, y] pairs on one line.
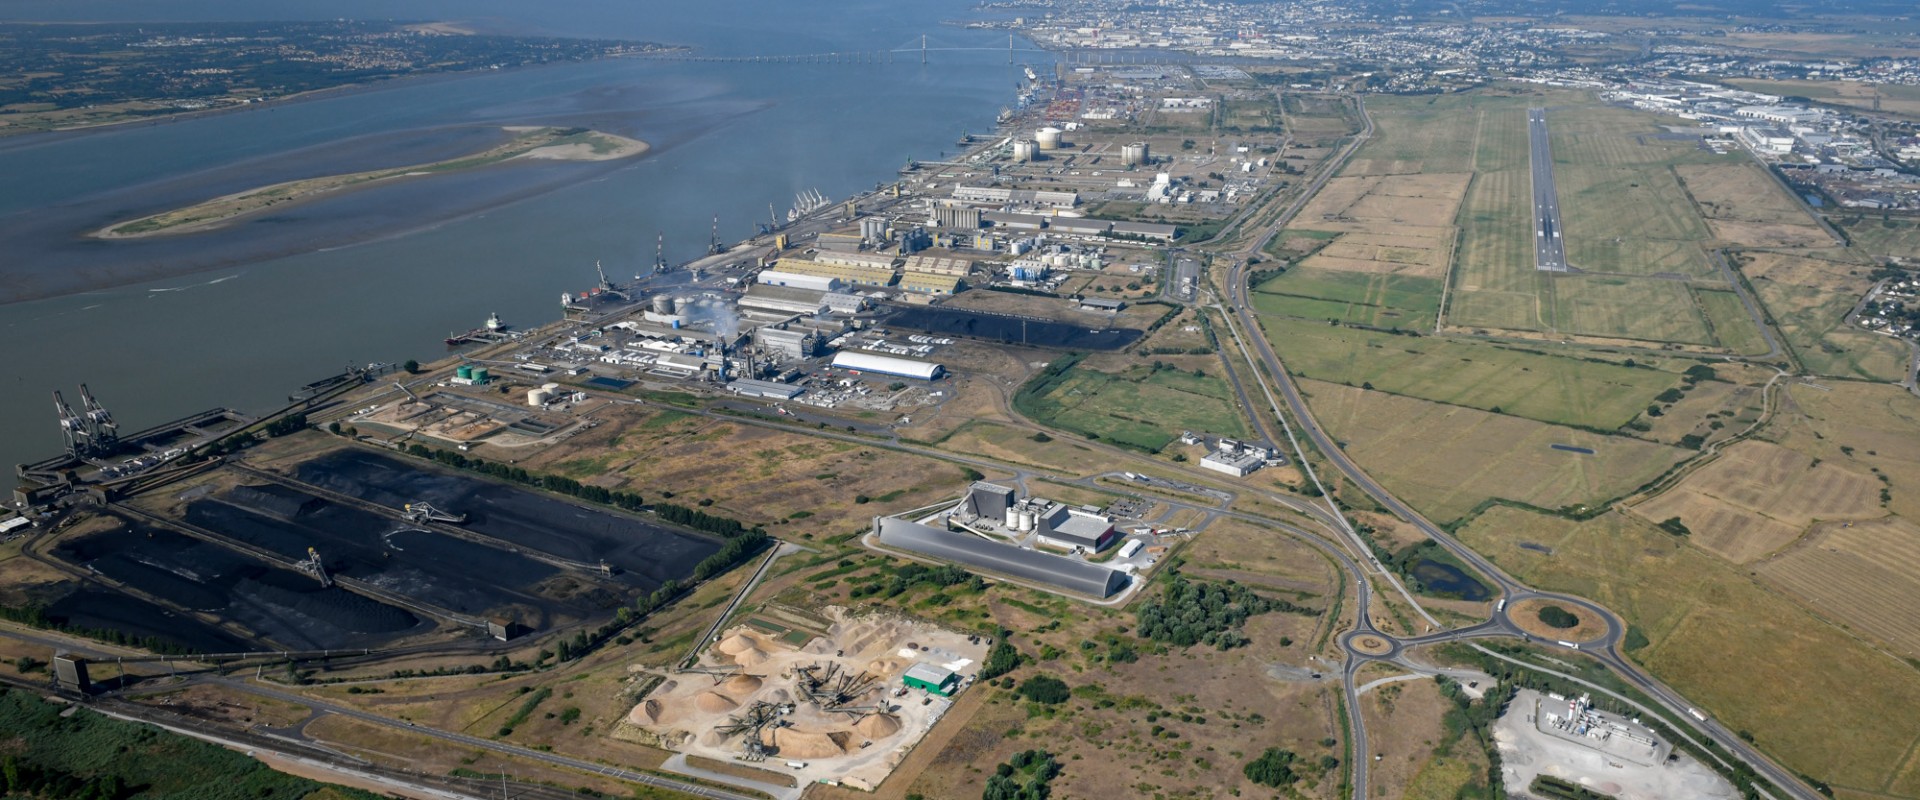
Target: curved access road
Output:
{"points": [[1605, 648]]}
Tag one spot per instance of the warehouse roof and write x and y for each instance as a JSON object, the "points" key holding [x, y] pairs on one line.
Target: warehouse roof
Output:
{"points": [[923, 671], [923, 282], [1001, 559], [871, 276], [886, 365]]}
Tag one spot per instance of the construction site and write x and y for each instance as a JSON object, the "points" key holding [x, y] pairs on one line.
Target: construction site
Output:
{"points": [[1567, 739], [830, 698]]}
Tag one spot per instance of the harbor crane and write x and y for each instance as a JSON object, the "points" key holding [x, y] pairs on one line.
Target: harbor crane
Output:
{"points": [[100, 424], [73, 426], [92, 431], [660, 253], [606, 286], [716, 248], [424, 512], [411, 397]]}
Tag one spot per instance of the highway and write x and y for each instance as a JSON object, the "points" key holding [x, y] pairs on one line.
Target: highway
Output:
{"points": [[1605, 648], [1549, 247]]}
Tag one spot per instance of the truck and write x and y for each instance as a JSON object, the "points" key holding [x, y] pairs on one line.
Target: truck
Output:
{"points": [[1695, 713], [1502, 607], [1569, 645], [796, 765]]}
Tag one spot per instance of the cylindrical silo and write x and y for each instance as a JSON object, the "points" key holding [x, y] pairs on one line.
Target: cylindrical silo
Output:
{"points": [[1025, 150], [1013, 518], [1048, 138], [1135, 154], [663, 304]]}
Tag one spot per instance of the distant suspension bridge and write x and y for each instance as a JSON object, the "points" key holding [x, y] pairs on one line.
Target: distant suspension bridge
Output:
{"points": [[924, 51]]}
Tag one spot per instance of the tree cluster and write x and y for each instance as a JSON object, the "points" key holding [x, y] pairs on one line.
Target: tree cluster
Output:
{"points": [[1273, 768], [1045, 689], [1002, 658], [1024, 777], [291, 423], [1200, 612]]}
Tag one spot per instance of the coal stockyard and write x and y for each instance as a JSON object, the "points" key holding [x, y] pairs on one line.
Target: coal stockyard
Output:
{"points": [[279, 606], [640, 553], [321, 554], [1008, 329]]}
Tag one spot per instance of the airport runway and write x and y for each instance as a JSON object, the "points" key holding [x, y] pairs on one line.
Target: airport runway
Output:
{"points": [[1549, 247]]}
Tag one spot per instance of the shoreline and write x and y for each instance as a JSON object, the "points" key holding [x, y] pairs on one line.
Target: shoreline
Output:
{"points": [[532, 143], [9, 136]]}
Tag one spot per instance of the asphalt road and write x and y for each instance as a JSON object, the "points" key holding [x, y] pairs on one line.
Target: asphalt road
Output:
{"points": [[1605, 648], [1549, 247]]}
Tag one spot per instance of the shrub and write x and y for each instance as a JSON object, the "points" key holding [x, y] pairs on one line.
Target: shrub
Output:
{"points": [[1045, 689], [1557, 617]]}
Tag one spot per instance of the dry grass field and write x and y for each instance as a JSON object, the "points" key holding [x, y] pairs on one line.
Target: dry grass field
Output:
{"points": [[1882, 240], [1864, 426], [1758, 497], [754, 474], [1016, 446], [1896, 98], [1744, 205], [1810, 695], [1863, 575], [1399, 224], [1446, 460], [1385, 301], [1403, 725], [1809, 298], [1512, 380]]}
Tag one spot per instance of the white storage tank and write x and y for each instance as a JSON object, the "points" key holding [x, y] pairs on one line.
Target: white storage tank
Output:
{"points": [[539, 397], [1048, 138], [1025, 150], [1028, 520], [1135, 154]]}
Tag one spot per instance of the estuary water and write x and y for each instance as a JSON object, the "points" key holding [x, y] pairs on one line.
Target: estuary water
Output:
{"points": [[384, 274]]}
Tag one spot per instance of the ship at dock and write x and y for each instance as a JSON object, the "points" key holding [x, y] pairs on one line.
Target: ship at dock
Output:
{"points": [[806, 203]]}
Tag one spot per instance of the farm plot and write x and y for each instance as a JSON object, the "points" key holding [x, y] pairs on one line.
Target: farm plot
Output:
{"points": [[1144, 407], [1818, 704], [1495, 283], [1381, 301], [1809, 300], [1399, 223], [1758, 497], [1862, 574], [1862, 425], [1508, 380], [1447, 460]]}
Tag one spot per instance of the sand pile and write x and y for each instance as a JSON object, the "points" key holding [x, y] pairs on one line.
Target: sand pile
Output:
{"points": [[750, 657], [810, 744], [649, 712], [713, 738], [878, 726], [714, 702], [742, 685], [732, 645], [882, 667]]}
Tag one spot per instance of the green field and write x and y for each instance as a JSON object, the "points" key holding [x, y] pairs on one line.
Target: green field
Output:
{"points": [[1509, 379], [1377, 300], [55, 741], [1446, 133], [1731, 325], [1628, 308], [1144, 407]]}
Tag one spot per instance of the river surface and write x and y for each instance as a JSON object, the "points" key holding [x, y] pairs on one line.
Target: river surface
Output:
{"points": [[384, 274]]}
